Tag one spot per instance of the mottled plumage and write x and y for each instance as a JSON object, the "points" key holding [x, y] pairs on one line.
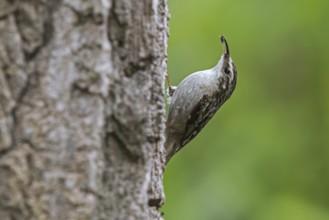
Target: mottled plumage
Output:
{"points": [[195, 101]]}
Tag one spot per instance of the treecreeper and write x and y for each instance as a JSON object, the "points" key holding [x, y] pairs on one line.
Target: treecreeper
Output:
{"points": [[196, 99]]}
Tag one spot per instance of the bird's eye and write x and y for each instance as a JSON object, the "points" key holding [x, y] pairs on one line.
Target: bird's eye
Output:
{"points": [[227, 70]]}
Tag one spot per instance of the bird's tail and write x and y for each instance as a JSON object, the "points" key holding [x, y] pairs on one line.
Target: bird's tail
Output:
{"points": [[172, 144]]}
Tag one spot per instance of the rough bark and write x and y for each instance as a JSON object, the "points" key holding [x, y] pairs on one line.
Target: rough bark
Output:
{"points": [[81, 108]]}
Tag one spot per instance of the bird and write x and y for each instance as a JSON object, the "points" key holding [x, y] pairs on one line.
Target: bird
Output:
{"points": [[196, 100]]}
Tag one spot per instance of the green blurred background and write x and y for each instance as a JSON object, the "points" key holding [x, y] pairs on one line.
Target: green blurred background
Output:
{"points": [[265, 154]]}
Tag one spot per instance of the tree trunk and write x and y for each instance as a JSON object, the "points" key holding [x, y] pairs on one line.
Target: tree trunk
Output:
{"points": [[81, 108]]}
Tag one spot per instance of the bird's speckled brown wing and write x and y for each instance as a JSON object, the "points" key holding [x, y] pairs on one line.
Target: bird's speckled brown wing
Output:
{"points": [[199, 117]]}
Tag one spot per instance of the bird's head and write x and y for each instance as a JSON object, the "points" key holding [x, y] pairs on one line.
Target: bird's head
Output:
{"points": [[227, 66], [226, 69]]}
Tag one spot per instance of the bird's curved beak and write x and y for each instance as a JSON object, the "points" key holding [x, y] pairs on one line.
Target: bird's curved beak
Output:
{"points": [[225, 46]]}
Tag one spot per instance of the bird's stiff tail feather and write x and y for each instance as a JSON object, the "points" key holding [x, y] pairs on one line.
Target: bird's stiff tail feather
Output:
{"points": [[172, 144]]}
